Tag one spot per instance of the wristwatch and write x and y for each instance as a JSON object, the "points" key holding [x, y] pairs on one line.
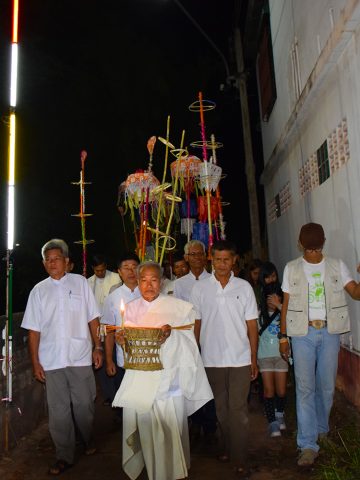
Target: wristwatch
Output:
{"points": [[281, 335]]}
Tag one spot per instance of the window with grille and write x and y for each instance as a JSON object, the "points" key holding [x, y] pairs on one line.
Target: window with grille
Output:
{"points": [[323, 163]]}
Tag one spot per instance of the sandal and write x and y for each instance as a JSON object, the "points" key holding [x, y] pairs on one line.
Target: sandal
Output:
{"points": [[90, 450], [223, 458], [59, 467], [242, 472]]}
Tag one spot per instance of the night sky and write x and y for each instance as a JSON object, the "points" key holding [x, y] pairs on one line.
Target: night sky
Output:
{"points": [[103, 76]]}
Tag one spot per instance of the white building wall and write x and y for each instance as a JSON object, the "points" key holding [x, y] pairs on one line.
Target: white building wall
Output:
{"points": [[309, 22], [335, 203]]}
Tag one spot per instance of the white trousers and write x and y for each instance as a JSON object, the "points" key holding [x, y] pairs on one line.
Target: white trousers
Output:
{"points": [[157, 439]]}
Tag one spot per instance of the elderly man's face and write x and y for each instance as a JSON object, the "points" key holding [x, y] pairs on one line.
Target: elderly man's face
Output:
{"points": [[55, 263], [196, 257], [149, 283]]}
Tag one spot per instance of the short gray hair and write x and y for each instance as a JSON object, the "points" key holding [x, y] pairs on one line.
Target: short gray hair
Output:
{"points": [[194, 243], [55, 243], [154, 265]]}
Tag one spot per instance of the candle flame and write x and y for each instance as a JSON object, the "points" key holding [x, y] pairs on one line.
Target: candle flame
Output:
{"points": [[122, 306]]}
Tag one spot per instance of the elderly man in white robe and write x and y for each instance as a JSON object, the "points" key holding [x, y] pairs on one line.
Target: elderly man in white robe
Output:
{"points": [[156, 404]]}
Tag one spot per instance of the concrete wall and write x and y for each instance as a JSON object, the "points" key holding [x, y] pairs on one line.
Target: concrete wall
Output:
{"points": [[29, 401], [327, 34]]}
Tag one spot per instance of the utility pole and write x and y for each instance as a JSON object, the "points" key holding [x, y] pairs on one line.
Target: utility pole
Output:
{"points": [[249, 158]]}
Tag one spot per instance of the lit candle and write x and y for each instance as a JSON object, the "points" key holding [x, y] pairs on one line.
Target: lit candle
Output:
{"points": [[122, 312]]}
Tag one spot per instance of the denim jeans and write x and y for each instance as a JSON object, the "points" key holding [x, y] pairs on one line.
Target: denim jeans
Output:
{"points": [[315, 364]]}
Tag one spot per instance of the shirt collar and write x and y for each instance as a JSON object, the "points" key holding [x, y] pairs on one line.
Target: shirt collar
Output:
{"points": [[215, 280], [127, 289], [202, 274], [60, 281]]}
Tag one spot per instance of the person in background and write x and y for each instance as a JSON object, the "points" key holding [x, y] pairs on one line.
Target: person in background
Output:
{"points": [[272, 366], [178, 270], [226, 329], [195, 257], [180, 266], [101, 283], [314, 314], [70, 266], [238, 268], [127, 292], [62, 318], [252, 276], [204, 419], [102, 280]]}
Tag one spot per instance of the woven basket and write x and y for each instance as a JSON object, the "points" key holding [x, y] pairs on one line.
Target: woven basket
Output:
{"points": [[142, 348]]}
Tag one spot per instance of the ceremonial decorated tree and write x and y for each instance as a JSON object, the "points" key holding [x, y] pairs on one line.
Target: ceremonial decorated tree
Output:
{"points": [[189, 205]]}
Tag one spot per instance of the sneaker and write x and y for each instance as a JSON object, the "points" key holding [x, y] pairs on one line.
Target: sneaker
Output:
{"points": [[280, 418], [307, 457], [274, 429]]}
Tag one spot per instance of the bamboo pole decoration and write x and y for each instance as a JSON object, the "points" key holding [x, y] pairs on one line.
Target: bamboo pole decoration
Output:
{"points": [[208, 196], [167, 143], [144, 225], [141, 231], [82, 215], [173, 196], [218, 196]]}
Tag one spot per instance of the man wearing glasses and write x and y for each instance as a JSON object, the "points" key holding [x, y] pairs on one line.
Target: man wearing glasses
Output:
{"points": [[195, 256]]}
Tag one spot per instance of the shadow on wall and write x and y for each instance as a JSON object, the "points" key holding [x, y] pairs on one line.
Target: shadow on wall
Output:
{"points": [[28, 404]]}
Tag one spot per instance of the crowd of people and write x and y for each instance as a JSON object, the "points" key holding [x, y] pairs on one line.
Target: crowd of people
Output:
{"points": [[208, 336]]}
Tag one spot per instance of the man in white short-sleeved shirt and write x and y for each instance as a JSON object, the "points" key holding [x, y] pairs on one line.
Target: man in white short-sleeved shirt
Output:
{"points": [[204, 419], [127, 292], [62, 318], [314, 314], [195, 256], [226, 328]]}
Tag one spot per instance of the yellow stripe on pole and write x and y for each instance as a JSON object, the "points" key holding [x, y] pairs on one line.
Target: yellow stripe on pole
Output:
{"points": [[15, 21]]}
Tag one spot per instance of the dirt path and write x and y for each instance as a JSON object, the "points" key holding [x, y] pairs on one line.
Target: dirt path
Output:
{"points": [[270, 459]]}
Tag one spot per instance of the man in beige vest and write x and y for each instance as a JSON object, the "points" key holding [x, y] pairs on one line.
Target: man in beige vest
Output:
{"points": [[314, 314]]}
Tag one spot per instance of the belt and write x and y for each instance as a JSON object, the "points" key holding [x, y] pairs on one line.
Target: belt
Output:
{"points": [[318, 324]]}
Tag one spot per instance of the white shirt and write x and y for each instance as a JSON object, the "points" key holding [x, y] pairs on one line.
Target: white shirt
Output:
{"points": [[111, 312], [184, 285], [183, 372], [167, 286], [223, 313], [314, 273], [101, 286], [61, 310]]}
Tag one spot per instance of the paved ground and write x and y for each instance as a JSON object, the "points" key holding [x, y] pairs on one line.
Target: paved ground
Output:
{"points": [[270, 459]]}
